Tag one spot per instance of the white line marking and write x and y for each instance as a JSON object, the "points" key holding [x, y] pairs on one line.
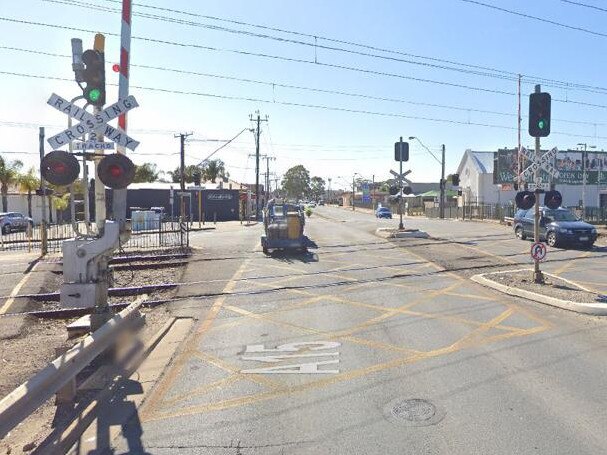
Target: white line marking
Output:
{"points": [[15, 291]]}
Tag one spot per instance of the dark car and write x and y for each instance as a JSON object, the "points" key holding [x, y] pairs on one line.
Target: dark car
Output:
{"points": [[383, 212], [558, 227]]}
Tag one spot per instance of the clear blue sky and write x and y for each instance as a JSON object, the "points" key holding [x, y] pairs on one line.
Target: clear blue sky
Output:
{"points": [[329, 143]]}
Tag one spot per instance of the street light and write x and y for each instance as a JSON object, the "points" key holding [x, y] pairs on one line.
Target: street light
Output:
{"points": [[354, 175], [442, 178], [584, 158]]}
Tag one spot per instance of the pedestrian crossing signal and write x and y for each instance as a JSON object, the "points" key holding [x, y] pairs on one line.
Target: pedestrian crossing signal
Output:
{"points": [[59, 168], [525, 200], [116, 171]]}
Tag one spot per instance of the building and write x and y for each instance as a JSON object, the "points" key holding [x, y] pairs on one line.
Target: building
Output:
{"points": [[480, 184]]}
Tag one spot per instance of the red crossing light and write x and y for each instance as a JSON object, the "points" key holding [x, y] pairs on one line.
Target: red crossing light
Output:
{"points": [[60, 168], [116, 171]]}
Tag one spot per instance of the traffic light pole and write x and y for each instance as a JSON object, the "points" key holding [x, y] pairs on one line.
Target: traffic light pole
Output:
{"points": [[442, 184], [401, 226], [538, 277]]}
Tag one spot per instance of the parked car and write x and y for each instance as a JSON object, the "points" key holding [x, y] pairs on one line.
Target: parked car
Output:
{"points": [[383, 212], [321, 202], [312, 205], [13, 221], [559, 227]]}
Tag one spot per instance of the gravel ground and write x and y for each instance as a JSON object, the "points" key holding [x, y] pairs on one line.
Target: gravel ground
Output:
{"points": [[27, 352], [553, 287]]}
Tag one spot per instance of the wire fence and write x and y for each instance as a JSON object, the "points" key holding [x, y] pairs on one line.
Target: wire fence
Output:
{"points": [[161, 234]]}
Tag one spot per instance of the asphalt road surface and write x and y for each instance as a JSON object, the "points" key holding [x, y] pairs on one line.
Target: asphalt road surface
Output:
{"points": [[366, 346]]}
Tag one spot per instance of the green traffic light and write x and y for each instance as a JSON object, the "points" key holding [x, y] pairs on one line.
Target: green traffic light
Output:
{"points": [[541, 124], [95, 94]]}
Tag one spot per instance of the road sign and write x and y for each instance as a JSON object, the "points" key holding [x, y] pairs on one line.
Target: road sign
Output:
{"points": [[90, 123], [93, 145], [544, 162], [538, 251], [402, 176], [538, 186]]}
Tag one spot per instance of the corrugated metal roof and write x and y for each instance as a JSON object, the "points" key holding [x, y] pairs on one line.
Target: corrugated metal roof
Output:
{"points": [[483, 161]]}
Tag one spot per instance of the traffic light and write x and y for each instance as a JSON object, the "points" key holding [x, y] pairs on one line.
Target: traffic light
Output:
{"points": [[553, 199], [60, 168], [455, 179], [116, 171], [407, 190], [525, 200], [393, 191], [539, 114], [401, 153], [94, 77]]}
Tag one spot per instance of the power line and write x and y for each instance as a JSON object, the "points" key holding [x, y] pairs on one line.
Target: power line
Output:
{"points": [[536, 18], [313, 106], [585, 5], [222, 146], [534, 79]]}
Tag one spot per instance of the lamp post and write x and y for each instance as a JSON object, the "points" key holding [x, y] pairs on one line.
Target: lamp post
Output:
{"points": [[442, 184], [353, 187], [584, 159]]}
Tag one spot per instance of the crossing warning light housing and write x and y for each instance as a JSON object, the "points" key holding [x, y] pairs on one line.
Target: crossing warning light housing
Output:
{"points": [[393, 191], [525, 200], [553, 199], [116, 171], [60, 168], [407, 190]]}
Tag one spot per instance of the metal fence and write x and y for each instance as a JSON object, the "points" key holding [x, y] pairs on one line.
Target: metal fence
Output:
{"points": [[162, 234], [475, 212]]}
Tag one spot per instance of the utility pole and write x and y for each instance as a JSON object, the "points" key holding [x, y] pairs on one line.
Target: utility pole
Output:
{"points": [[443, 184], [353, 191], [182, 137], [538, 277], [584, 173], [329, 190], [268, 158], [257, 134], [43, 190]]}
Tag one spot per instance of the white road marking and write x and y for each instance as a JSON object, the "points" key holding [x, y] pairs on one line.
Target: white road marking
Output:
{"points": [[291, 348]]}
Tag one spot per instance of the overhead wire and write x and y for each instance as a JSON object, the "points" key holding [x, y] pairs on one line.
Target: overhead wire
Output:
{"points": [[316, 37], [536, 18], [319, 90], [585, 5], [315, 106]]}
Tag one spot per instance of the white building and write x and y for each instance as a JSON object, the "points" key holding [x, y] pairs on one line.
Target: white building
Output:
{"points": [[476, 180]]}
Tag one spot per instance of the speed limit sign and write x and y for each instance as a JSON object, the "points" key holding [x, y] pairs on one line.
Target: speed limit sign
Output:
{"points": [[538, 251]]}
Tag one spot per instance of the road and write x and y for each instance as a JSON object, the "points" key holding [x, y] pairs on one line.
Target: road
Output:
{"points": [[367, 346]]}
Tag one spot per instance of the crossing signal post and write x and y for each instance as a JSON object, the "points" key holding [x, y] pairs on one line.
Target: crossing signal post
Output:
{"points": [[539, 126], [401, 153]]}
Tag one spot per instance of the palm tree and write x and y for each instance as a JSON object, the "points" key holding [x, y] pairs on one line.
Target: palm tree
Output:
{"points": [[61, 203], [9, 174], [214, 169], [28, 183]]}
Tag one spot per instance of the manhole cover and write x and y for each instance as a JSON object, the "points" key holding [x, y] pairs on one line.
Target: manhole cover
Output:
{"points": [[413, 411]]}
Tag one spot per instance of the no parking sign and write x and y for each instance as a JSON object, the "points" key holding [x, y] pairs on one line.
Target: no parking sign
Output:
{"points": [[538, 251]]}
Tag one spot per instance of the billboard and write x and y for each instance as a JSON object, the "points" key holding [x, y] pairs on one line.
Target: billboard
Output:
{"points": [[569, 163]]}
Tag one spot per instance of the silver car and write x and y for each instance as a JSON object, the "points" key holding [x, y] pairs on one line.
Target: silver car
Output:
{"points": [[14, 221]]}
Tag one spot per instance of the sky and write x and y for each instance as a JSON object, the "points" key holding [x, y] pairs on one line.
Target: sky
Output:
{"points": [[444, 71]]}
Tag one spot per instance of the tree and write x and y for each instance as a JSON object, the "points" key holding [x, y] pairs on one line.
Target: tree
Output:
{"points": [[61, 203], [146, 172], [189, 172], [317, 188], [296, 182], [28, 183], [213, 169], [9, 175]]}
